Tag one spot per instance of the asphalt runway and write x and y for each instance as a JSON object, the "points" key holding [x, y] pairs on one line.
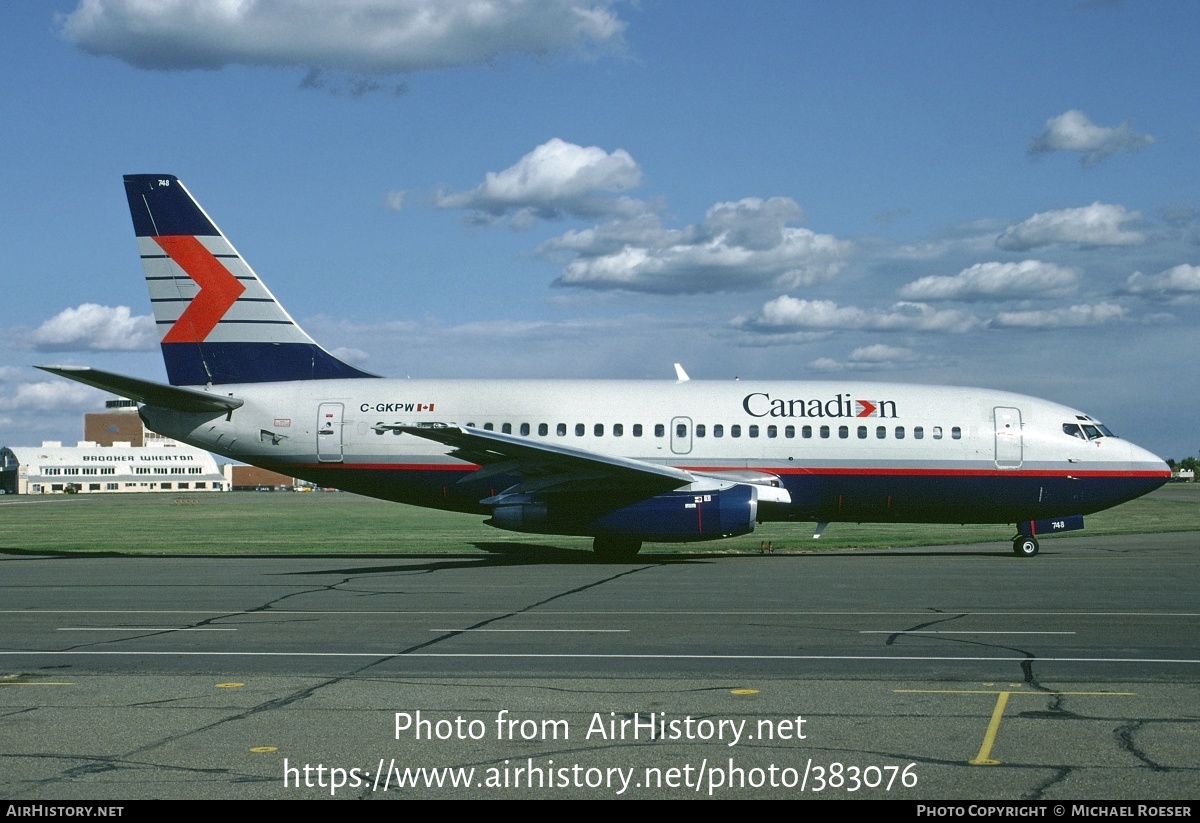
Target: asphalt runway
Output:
{"points": [[939, 673]]}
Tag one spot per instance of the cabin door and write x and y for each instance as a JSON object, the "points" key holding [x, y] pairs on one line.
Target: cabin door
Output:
{"points": [[329, 433], [681, 435], [1009, 447]]}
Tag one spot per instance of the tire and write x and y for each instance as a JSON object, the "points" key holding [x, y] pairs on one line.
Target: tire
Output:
{"points": [[1025, 546]]}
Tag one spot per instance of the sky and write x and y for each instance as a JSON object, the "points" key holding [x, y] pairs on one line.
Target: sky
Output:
{"points": [[996, 194]]}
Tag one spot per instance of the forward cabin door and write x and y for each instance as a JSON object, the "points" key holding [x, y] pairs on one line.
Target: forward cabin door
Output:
{"points": [[1009, 446], [329, 433]]}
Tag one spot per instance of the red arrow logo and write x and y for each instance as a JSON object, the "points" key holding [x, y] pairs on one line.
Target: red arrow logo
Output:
{"points": [[867, 408], [218, 288]]}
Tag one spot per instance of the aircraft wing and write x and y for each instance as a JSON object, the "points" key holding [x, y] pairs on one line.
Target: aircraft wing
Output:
{"points": [[548, 467]]}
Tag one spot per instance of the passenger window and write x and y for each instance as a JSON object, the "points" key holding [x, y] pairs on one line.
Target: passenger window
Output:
{"points": [[824, 432], [772, 431], [752, 431], [843, 432], [681, 429], [700, 429], [806, 432], [637, 429], [659, 430], [543, 429], [561, 429], [899, 432], [506, 428], [880, 432], [618, 429], [937, 432], [735, 431], [599, 429], [718, 430], [789, 431], [579, 429], [524, 429], [862, 432], [956, 433], [488, 427], [919, 432]]}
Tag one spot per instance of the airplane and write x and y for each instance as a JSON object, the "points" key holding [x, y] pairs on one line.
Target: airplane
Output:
{"points": [[620, 461]]}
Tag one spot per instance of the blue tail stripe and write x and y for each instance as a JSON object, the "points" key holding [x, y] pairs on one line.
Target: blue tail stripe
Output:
{"points": [[160, 206], [251, 363]]}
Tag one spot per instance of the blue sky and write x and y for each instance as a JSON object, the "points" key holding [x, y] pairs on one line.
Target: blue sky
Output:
{"points": [[992, 194]]}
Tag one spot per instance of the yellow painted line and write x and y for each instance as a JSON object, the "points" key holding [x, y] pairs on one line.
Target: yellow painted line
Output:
{"points": [[989, 737], [1030, 694], [743, 691], [263, 749], [234, 685]]}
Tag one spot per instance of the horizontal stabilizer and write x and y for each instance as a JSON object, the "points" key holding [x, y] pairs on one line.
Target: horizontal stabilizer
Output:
{"points": [[147, 391]]}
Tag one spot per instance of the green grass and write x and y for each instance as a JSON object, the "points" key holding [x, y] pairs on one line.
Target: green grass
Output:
{"points": [[338, 523]]}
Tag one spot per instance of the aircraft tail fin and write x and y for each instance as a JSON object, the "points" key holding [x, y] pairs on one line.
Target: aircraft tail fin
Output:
{"points": [[219, 323]]}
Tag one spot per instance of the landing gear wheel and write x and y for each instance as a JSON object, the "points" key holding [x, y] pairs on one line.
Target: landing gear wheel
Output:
{"points": [[615, 549], [1025, 546]]}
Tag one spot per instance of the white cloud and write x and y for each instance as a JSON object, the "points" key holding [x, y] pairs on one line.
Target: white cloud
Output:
{"points": [[394, 200], [91, 327], [350, 355], [880, 353], [741, 245], [786, 313], [1179, 281], [1100, 224], [1071, 317], [366, 37], [1073, 131], [996, 281], [554, 179], [49, 396]]}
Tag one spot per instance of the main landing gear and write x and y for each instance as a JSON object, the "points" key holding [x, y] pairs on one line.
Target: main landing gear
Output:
{"points": [[615, 549], [1024, 546]]}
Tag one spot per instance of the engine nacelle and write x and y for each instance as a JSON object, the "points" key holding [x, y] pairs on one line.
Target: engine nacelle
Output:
{"points": [[682, 516]]}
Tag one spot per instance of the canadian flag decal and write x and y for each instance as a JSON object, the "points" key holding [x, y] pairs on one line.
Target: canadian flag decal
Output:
{"points": [[218, 289]]}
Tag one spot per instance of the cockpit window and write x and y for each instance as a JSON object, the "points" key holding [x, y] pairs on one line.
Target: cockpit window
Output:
{"points": [[1087, 431]]}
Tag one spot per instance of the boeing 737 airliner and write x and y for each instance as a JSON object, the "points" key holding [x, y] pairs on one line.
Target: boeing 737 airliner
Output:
{"points": [[620, 461]]}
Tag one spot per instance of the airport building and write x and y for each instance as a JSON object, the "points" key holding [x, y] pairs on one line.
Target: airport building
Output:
{"points": [[89, 468]]}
